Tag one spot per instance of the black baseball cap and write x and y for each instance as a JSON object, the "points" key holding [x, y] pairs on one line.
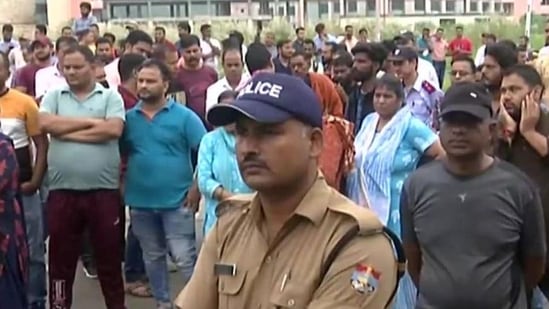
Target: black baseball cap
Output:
{"points": [[469, 98], [403, 53]]}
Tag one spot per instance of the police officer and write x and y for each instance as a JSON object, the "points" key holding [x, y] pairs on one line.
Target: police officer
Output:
{"points": [[422, 96], [296, 243]]}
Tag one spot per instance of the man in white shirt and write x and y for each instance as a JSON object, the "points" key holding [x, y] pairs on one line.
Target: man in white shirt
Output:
{"points": [[487, 38], [348, 39], [425, 69], [235, 77], [137, 42], [211, 48], [51, 77]]}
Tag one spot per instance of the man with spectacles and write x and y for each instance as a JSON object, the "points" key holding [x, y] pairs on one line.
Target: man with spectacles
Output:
{"points": [[463, 70]]}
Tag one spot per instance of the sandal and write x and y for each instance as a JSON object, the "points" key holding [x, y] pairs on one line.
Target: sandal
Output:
{"points": [[138, 289]]}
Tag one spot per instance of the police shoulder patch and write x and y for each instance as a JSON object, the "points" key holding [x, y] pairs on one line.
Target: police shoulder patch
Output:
{"points": [[365, 279], [427, 86]]}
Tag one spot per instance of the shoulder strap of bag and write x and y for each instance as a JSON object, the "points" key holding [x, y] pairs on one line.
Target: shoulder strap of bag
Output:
{"points": [[350, 235]]}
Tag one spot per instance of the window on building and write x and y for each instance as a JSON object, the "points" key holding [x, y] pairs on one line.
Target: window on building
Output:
{"points": [[450, 6], [419, 5], [322, 9], [509, 8], [485, 7], [129, 11], [161, 10], [200, 9], [224, 9], [41, 13], [435, 6], [447, 22], [182, 10], [497, 7], [337, 9], [281, 11], [473, 7], [352, 6], [138, 11], [291, 10], [544, 2], [263, 8], [371, 7], [397, 7]]}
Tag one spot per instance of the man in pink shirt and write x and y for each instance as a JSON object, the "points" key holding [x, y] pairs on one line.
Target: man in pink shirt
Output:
{"points": [[137, 42], [440, 47], [460, 45]]}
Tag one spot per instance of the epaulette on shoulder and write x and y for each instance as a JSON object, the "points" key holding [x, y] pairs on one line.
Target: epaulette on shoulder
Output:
{"points": [[366, 220], [427, 86], [234, 203]]}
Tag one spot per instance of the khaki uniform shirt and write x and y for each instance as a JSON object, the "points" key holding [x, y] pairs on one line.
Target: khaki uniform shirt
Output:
{"points": [[286, 272]]}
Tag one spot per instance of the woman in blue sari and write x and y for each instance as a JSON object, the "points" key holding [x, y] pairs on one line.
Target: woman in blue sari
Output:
{"points": [[218, 174], [13, 241], [388, 147]]}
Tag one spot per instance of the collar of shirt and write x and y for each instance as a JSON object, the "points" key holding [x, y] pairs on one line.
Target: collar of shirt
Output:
{"points": [[97, 89], [312, 207], [169, 104]]}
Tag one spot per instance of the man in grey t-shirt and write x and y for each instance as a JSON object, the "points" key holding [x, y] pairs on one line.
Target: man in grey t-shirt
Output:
{"points": [[472, 226]]}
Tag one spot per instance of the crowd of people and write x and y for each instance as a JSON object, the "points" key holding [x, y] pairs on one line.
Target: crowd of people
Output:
{"points": [[239, 131]]}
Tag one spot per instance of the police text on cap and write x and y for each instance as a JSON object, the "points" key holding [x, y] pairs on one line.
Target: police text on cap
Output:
{"points": [[263, 88]]}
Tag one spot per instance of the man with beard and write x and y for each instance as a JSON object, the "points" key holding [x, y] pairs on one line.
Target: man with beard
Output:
{"points": [[282, 61], [194, 76], [183, 30], [523, 137], [421, 96], [321, 85], [167, 53], [498, 58], [25, 78], [308, 48], [159, 176], [342, 67], [86, 18], [104, 50], [329, 49], [368, 58], [51, 77], [137, 42]]}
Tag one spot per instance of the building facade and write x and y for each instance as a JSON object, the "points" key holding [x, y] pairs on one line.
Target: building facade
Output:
{"points": [[314, 10]]}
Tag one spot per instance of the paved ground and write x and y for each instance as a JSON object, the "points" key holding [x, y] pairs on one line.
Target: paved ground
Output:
{"points": [[87, 294]]}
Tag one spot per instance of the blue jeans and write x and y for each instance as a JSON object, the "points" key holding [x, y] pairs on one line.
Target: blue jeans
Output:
{"points": [[134, 267], [161, 232], [440, 68], [34, 222]]}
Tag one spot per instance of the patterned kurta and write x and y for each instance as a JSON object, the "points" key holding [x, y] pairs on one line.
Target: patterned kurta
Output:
{"points": [[13, 242]]}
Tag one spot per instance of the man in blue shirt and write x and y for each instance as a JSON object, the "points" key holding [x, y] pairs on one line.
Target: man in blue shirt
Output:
{"points": [[86, 18], [158, 139]]}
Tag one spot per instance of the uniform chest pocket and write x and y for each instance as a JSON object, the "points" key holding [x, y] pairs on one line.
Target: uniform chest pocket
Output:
{"points": [[294, 295], [229, 289]]}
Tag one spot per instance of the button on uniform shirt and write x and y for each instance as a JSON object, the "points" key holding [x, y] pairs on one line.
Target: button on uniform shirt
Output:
{"points": [[222, 85], [285, 273], [101, 166], [47, 79], [423, 99]]}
